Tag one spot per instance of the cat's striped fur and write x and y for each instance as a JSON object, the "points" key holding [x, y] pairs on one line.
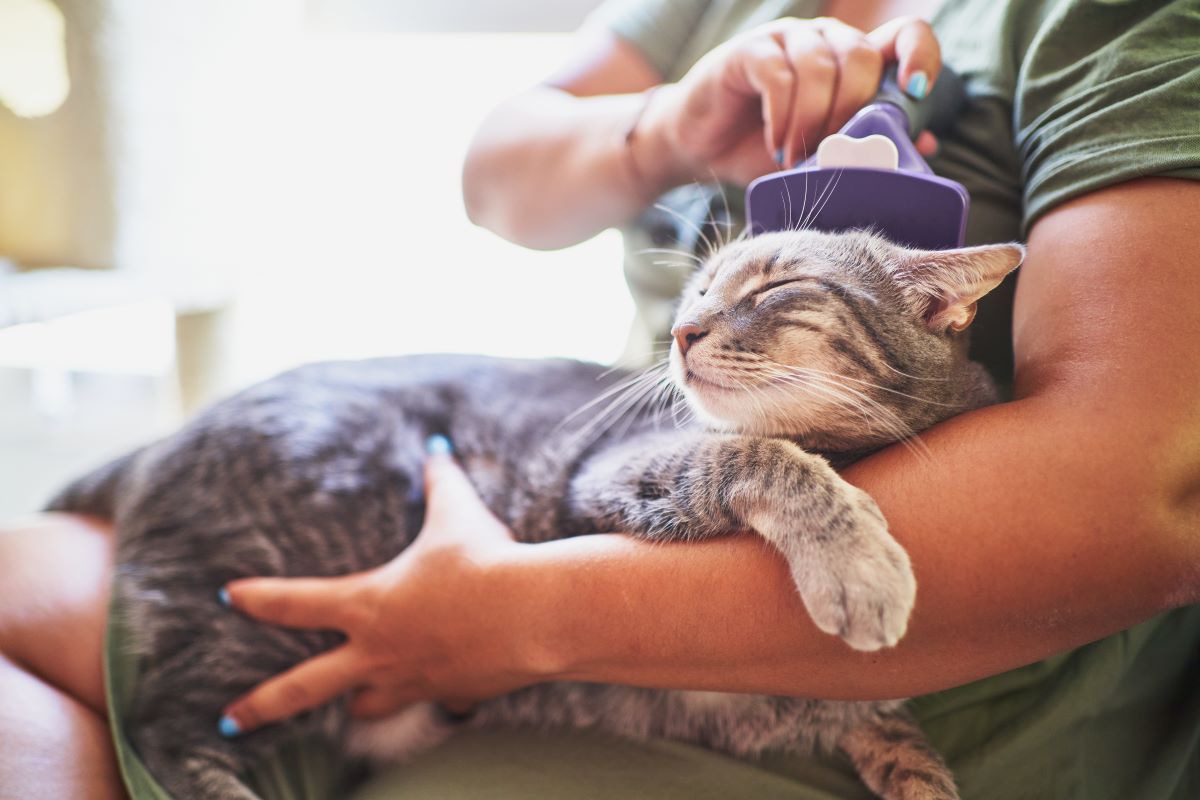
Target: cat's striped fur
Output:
{"points": [[801, 348]]}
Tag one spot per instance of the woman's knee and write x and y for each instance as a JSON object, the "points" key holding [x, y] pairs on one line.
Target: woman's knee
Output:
{"points": [[55, 571]]}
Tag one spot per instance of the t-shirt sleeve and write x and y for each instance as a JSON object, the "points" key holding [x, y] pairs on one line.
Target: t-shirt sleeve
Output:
{"points": [[1107, 91], [660, 29]]}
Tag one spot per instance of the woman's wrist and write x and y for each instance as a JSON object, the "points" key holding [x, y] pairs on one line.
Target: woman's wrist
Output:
{"points": [[653, 156], [522, 598]]}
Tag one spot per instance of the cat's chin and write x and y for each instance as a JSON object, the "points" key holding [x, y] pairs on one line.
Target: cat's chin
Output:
{"points": [[724, 409], [717, 405]]}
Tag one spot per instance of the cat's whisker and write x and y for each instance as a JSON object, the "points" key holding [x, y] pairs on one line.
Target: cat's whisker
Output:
{"points": [[637, 377], [869, 384], [648, 395], [670, 252], [904, 374], [629, 398], [648, 392], [726, 211], [826, 389], [656, 354], [883, 416], [724, 204], [618, 402], [830, 385], [786, 196], [707, 242], [882, 388], [820, 203], [677, 400]]}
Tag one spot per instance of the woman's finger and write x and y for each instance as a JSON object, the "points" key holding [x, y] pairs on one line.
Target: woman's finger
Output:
{"points": [[816, 70], [307, 685], [860, 68], [312, 603], [911, 42], [761, 68]]}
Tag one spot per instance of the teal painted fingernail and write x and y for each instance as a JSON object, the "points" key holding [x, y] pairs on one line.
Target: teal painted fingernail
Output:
{"points": [[438, 445], [223, 597], [779, 156], [918, 85], [228, 727]]}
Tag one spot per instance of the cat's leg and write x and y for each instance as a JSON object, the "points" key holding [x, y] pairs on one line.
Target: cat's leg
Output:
{"points": [[855, 579], [896, 761]]}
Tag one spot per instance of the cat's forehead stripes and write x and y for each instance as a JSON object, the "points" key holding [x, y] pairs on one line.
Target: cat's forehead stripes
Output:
{"points": [[757, 264], [768, 264]]}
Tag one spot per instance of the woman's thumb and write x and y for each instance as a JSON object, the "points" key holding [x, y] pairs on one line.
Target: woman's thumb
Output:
{"points": [[451, 502]]}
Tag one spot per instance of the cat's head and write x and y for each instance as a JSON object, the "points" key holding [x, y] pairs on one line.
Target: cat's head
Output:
{"points": [[845, 341]]}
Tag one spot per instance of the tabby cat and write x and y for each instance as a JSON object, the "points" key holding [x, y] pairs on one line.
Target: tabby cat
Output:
{"points": [[793, 351]]}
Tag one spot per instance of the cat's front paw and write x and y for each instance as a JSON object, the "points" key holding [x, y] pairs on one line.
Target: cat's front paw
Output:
{"points": [[857, 582]]}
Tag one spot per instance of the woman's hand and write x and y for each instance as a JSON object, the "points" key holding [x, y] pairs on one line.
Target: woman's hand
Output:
{"points": [[765, 99], [419, 628]]}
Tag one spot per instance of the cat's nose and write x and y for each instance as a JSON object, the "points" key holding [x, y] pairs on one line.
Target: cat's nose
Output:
{"points": [[686, 335]]}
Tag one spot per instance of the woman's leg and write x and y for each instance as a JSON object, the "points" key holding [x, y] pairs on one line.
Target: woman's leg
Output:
{"points": [[55, 571]]}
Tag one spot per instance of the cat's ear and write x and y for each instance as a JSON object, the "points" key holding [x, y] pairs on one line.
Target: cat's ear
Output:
{"points": [[945, 285]]}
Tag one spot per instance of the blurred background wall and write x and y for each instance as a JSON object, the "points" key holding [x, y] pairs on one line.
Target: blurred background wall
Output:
{"points": [[196, 195]]}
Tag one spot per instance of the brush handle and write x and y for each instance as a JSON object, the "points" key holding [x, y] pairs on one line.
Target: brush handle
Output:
{"points": [[936, 112]]}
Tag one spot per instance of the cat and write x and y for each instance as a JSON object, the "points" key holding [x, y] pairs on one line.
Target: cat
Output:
{"points": [[795, 351]]}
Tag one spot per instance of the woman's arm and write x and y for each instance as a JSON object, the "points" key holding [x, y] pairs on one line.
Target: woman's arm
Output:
{"points": [[1033, 526], [551, 167], [588, 149]]}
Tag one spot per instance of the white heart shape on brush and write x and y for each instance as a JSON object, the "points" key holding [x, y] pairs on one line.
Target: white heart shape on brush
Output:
{"points": [[840, 150]]}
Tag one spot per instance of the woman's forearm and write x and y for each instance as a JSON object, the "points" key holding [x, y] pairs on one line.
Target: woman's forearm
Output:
{"points": [[1002, 581], [549, 169], [1033, 526]]}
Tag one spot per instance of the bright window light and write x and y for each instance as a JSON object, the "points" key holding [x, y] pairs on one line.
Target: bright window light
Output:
{"points": [[33, 63]]}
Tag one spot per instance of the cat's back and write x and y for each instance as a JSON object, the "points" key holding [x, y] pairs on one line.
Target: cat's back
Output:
{"points": [[326, 412], [337, 435]]}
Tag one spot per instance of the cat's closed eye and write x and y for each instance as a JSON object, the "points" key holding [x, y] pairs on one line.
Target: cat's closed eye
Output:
{"points": [[783, 282]]}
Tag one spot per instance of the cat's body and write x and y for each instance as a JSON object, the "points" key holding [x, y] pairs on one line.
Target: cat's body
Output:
{"points": [[317, 472]]}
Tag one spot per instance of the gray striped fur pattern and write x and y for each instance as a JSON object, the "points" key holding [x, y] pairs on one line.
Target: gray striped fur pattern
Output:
{"points": [[794, 351]]}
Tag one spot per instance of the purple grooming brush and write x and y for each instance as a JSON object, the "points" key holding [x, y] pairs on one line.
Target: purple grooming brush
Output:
{"points": [[902, 199]]}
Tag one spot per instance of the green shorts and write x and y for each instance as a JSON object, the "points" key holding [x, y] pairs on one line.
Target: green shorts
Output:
{"points": [[521, 764], [1118, 718]]}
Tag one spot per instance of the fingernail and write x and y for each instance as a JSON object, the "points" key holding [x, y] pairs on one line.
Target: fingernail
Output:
{"points": [[918, 85], [228, 727], [779, 156], [438, 445], [223, 597]]}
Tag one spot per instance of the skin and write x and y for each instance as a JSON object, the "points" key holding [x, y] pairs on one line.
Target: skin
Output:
{"points": [[55, 571], [1098, 343]]}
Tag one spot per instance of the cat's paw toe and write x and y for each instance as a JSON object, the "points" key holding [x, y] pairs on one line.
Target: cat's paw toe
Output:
{"points": [[861, 590]]}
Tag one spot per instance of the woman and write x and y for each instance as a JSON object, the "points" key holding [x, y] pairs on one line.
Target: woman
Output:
{"points": [[1061, 518]]}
